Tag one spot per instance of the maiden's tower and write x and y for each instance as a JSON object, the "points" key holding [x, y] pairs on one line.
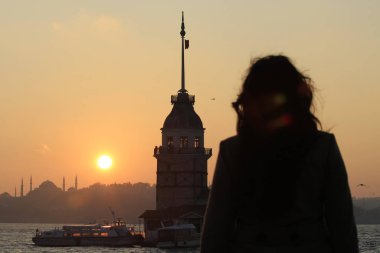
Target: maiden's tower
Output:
{"points": [[181, 189]]}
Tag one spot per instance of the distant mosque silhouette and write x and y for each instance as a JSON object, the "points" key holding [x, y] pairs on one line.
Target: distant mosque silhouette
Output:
{"points": [[181, 189], [43, 184]]}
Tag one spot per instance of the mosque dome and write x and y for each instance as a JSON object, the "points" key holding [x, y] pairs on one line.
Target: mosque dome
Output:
{"points": [[5, 195], [183, 115], [48, 185]]}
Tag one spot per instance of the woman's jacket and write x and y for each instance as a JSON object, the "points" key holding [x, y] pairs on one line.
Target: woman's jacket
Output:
{"points": [[320, 220]]}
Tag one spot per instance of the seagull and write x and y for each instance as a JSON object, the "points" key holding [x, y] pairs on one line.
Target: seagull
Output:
{"points": [[362, 185]]}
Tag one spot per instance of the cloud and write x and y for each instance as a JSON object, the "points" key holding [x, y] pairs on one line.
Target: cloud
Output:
{"points": [[107, 23], [57, 26], [87, 23], [43, 149]]}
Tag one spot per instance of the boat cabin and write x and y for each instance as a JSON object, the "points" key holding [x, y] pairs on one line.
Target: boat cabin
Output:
{"points": [[154, 220], [181, 235]]}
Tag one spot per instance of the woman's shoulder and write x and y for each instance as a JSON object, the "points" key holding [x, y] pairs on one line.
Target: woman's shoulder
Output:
{"points": [[234, 140], [321, 147], [325, 134], [326, 138], [229, 147], [228, 150], [230, 142]]}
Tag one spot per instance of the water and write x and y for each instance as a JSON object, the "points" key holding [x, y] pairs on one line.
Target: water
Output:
{"points": [[17, 238], [369, 238]]}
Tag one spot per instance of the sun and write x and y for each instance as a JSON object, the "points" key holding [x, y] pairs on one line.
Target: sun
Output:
{"points": [[104, 162]]}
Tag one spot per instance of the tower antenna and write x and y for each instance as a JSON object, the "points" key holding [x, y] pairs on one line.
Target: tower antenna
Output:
{"points": [[183, 33]]}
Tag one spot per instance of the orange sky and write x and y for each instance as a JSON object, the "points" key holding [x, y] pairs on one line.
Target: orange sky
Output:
{"points": [[82, 78]]}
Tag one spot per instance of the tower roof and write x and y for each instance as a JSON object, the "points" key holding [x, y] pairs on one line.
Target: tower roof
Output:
{"points": [[183, 115]]}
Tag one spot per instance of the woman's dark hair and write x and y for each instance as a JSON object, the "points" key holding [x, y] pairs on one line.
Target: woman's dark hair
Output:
{"points": [[282, 97], [275, 74]]}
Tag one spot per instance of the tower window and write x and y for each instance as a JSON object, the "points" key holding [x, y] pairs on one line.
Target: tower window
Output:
{"points": [[170, 141], [183, 142], [196, 142]]}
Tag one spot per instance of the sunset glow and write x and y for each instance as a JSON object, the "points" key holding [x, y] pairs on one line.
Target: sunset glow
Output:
{"points": [[81, 79], [104, 162]]}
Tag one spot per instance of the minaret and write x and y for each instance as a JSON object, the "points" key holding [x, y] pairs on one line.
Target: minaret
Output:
{"points": [[15, 192], [22, 188], [63, 184], [76, 182], [30, 184], [182, 157]]}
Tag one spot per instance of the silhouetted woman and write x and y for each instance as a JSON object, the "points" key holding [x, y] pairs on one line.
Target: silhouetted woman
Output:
{"points": [[280, 185]]}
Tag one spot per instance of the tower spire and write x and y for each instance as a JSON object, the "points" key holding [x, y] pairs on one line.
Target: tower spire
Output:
{"points": [[183, 33]]}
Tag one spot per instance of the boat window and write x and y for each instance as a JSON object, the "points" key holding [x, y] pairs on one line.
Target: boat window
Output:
{"points": [[166, 235], [168, 223], [76, 234], [182, 233], [104, 234]]}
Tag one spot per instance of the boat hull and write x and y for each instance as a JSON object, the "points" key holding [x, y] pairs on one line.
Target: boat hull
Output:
{"points": [[178, 244], [88, 241]]}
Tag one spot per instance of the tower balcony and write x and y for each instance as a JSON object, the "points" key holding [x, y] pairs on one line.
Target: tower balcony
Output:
{"points": [[176, 150], [183, 97]]}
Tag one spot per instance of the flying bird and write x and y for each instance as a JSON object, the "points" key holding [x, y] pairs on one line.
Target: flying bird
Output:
{"points": [[362, 185]]}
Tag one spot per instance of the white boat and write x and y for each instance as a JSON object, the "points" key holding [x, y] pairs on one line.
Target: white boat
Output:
{"points": [[115, 235], [178, 236]]}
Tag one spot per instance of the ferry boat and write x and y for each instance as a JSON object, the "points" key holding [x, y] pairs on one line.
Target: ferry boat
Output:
{"points": [[178, 236], [116, 234]]}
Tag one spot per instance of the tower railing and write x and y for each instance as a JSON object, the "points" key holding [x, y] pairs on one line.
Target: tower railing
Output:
{"points": [[208, 151], [175, 99], [177, 150]]}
